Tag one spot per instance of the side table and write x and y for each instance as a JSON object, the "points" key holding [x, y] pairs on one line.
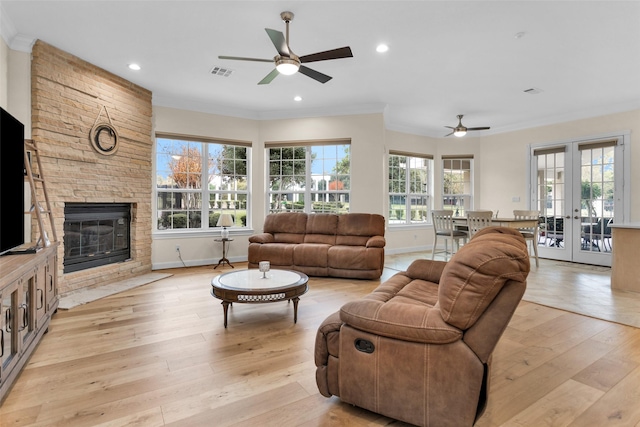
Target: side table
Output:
{"points": [[225, 247]]}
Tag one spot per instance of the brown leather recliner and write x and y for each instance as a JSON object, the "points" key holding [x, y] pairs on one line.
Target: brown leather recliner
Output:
{"points": [[418, 348]]}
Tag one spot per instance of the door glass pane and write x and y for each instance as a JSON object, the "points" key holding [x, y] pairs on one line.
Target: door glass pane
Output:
{"points": [[550, 198], [596, 198]]}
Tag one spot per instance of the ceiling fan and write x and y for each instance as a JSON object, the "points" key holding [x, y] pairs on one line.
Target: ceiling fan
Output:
{"points": [[461, 130], [289, 63]]}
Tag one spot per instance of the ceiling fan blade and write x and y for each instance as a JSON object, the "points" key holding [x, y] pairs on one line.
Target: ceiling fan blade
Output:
{"points": [[278, 40], [343, 52], [240, 58], [450, 127], [480, 128], [449, 133], [316, 75], [269, 77]]}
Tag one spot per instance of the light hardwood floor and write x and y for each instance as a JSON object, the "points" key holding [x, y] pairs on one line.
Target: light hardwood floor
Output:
{"points": [[159, 355]]}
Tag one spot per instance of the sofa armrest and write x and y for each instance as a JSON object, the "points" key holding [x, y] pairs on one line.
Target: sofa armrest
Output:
{"points": [[327, 339], [376, 242], [400, 320], [426, 269], [262, 238]]}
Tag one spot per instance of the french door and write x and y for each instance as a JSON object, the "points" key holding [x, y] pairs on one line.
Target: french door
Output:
{"points": [[578, 187]]}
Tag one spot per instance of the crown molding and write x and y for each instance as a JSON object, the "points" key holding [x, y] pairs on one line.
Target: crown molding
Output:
{"points": [[10, 34]]}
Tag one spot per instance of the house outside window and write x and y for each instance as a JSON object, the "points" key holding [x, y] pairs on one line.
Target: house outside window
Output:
{"points": [[410, 178], [457, 188], [198, 179], [309, 176]]}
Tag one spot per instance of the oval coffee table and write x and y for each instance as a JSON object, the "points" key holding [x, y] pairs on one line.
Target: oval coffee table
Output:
{"points": [[249, 286]]}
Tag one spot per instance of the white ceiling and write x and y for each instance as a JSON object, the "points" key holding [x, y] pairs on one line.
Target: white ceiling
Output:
{"points": [[445, 58]]}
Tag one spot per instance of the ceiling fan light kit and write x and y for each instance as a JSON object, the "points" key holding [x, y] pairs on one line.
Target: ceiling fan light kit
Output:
{"points": [[287, 63], [287, 66]]}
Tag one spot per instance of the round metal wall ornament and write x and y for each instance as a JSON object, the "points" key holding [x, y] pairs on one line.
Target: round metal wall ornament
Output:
{"points": [[104, 136]]}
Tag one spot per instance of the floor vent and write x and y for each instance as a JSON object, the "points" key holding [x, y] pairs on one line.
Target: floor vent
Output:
{"points": [[219, 71]]}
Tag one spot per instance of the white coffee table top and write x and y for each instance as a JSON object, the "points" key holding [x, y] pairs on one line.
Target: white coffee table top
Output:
{"points": [[251, 279]]}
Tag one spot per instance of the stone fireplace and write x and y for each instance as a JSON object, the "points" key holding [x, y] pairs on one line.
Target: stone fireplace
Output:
{"points": [[68, 97], [95, 234]]}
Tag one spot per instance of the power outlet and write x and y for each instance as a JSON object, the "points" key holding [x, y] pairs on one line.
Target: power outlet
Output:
{"points": [[177, 248]]}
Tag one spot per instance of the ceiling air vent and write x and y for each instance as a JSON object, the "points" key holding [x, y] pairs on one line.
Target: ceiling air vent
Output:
{"points": [[219, 71], [533, 91]]}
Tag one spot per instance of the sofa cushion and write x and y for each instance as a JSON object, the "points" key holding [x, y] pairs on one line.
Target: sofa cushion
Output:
{"points": [[311, 254], [478, 271], [286, 227], [355, 229], [321, 228], [355, 257], [402, 308], [278, 254]]}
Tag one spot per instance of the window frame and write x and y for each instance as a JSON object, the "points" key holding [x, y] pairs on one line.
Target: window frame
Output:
{"points": [[307, 190], [409, 195], [205, 191], [469, 195]]}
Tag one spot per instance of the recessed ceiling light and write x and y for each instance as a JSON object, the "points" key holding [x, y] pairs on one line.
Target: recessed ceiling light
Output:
{"points": [[297, 98], [381, 48], [134, 67]]}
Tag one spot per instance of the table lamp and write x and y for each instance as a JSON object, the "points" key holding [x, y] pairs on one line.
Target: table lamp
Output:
{"points": [[225, 220]]}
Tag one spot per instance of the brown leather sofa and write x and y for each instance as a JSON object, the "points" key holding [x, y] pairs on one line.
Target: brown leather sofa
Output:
{"points": [[418, 348], [347, 245]]}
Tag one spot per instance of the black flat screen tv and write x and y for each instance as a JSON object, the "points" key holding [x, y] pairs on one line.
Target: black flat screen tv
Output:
{"points": [[11, 182]]}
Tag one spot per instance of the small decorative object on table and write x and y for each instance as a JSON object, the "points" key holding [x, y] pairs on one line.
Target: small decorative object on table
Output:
{"points": [[264, 267]]}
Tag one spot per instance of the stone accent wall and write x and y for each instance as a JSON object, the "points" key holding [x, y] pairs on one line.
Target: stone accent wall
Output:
{"points": [[67, 94]]}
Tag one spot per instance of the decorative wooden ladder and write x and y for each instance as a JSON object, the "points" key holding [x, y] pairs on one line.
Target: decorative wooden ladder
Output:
{"points": [[31, 157]]}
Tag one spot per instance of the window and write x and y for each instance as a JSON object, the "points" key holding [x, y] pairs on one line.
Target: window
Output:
{"points": [[457, 189], [309, 177], [197, 180], [409, 188]]}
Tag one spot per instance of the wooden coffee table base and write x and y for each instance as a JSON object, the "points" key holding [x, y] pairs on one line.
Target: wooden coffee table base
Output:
{"points": [[226, 304], [248, 286]]}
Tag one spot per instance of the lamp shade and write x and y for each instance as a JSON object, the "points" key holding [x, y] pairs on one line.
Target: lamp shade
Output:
{"points": [[225, 220]]}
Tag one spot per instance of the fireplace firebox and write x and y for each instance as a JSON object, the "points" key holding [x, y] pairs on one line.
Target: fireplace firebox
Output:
{"points": [[96, 234]]}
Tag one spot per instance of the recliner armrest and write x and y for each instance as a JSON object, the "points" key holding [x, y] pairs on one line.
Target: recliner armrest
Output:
{"points": [[262, 238], [376, 242], [426, 269], [406, 321]]}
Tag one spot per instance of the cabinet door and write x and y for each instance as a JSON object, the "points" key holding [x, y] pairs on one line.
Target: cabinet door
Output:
{"points": [[40, 295], [51, 289], [9, 335], [26, 310]]}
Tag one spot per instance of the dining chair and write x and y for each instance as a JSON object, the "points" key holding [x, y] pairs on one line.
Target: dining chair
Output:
{"points": [[443, 227], [477, 220], [530, 234]]}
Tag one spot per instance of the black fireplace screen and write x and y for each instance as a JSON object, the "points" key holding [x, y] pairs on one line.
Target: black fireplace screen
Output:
{"points": [[95, 234]]}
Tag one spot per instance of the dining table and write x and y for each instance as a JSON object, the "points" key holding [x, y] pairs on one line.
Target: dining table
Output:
{"points": [[501, 222]]}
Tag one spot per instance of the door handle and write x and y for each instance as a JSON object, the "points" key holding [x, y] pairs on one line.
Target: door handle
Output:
{"points": [[568, 217]]}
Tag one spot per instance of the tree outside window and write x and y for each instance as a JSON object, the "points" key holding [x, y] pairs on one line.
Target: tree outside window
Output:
{"points": [[309, 178], [457, 191], [188, 173], [409, 189]]}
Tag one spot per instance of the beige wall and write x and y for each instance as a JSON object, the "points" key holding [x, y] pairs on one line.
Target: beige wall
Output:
{"points": [[504, 158], [200, 248]]}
